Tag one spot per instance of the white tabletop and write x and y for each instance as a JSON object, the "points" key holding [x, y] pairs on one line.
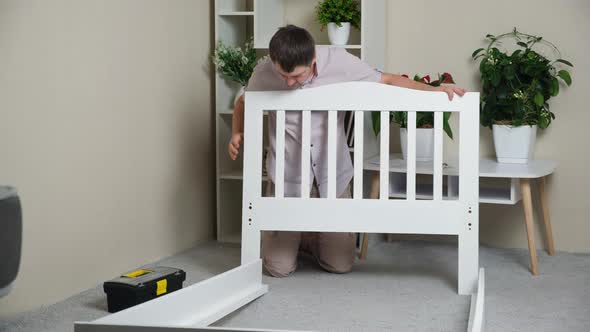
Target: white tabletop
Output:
{"points": [[488, 167]]}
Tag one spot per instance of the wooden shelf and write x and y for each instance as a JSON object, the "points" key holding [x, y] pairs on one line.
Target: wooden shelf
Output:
{"points": [[352, 46], [231, 112], [236, 175], [486, 195], [232, 238], [237, 13], [495, 196], [423, 191]]}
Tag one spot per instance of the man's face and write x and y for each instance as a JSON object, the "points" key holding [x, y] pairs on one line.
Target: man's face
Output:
{"points": [[298, 76]]}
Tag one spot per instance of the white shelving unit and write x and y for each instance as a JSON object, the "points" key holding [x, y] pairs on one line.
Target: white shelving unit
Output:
{"points": [[235, 22]]}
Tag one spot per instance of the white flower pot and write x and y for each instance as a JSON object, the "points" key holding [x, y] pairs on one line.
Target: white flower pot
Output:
{"points": [[514, 145], [424, 143], [238, 94], [338, 35]]}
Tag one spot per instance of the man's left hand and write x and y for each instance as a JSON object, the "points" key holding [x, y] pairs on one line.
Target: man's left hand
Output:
{"points": [[450, 90]]}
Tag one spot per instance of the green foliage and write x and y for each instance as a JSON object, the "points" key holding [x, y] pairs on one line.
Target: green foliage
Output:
{"points": [[516, 87], [235, 63], [423, 119], [338, 11]]}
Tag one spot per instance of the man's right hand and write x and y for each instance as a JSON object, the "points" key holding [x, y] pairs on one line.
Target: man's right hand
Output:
{"points": [[234, 145]]}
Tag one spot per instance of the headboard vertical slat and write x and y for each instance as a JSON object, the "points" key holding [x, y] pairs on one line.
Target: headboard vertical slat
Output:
{"points": [[384, 159], [438, 156], [411, 157], [305, 152], [358, 154], [280, 155], [332, 152]]}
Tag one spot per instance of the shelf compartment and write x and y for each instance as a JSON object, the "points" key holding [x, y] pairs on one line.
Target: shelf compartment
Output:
{"points": [[234, 6], [232, 31]]}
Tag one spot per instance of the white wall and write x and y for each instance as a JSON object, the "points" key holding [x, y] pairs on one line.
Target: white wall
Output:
{"points": [[106, 131], [433, 36]]}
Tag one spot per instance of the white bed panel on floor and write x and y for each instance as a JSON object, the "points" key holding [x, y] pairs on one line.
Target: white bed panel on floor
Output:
{"points": [[195, 306]]}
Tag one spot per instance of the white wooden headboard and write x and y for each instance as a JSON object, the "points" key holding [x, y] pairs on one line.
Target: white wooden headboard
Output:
{"points": [[437, 216]]}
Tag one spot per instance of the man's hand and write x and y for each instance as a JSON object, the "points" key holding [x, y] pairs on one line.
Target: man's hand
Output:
{"points": [[234, 145], [450, 90], [404, 82]]}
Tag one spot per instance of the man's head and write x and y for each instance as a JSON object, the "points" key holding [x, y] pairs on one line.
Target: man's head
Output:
{"points": [[292, 51]]}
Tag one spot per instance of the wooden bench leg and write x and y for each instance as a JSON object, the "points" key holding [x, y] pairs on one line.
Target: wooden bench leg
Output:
{"points": [[375, 195], [546, 220], [525, 185]]}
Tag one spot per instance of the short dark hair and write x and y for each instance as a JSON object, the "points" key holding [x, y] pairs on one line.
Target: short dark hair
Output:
{"points": [[291, 46]]}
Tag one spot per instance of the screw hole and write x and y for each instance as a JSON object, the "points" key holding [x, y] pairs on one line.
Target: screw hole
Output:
{"points": [[469, 224], [250, 208]]}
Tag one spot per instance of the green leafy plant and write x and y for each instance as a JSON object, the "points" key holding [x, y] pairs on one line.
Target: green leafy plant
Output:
{"points": [[423, 119], [516, 87], [338, 11], [234, 62]]}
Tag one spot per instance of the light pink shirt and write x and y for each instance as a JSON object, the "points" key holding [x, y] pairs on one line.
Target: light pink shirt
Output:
{"points": [[334, 65]]}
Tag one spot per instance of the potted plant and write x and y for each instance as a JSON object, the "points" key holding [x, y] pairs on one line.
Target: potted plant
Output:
{"points": [[338, 16], [516, 88], [236, 63], [424, 123]]}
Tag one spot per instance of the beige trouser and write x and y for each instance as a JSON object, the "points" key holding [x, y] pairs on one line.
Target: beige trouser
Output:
{"points": [[333, 251]]}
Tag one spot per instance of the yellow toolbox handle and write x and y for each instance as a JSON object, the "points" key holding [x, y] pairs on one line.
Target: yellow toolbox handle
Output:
{"points": [[137, 273]]}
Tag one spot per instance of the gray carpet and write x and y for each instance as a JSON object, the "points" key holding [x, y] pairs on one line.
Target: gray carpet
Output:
{"points": [[403, 286]]}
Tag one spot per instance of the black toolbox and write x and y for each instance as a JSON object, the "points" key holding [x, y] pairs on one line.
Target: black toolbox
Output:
{"points": [[143, 285]]}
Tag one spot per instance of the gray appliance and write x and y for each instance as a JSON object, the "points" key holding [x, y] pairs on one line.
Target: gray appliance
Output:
{"points": [[11, 230]]}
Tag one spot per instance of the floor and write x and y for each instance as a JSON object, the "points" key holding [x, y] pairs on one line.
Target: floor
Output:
{"points": [[403, 286]]}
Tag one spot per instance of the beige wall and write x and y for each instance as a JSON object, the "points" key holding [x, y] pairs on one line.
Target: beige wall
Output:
{"points": [[433, 36], [106, 131]]}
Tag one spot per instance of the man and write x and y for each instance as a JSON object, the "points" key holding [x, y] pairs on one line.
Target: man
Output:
{"points": [[295, 62]]}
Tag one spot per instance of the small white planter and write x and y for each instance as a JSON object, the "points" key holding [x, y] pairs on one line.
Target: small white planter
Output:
{"points": [[424, 143], [238, 94], [514, 145], [338, 35]]}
